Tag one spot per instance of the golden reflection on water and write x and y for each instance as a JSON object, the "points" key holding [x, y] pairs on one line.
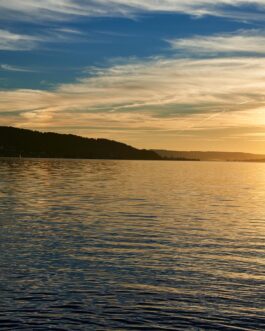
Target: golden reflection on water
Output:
{"points": [[133, 240]]}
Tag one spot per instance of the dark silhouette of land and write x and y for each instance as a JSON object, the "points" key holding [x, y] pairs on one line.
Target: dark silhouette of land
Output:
{"points": [[26, 143], [258, 160], [16, 142], [211, 156]]}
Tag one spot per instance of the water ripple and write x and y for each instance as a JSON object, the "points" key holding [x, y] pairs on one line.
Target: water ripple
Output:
{"points": [[131, 245]]}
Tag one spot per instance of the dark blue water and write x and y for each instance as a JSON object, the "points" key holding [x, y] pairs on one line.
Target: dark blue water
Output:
{"points": [[131, 245]]}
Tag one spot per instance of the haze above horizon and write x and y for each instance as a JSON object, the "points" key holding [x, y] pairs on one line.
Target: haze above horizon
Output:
{"points": [[165, 74]]}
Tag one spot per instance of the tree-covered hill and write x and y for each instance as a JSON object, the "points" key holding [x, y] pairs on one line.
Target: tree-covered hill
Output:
{"points": [[27, 143]]}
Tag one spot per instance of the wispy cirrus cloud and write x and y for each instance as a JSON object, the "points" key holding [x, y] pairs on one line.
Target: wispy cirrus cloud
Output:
{"points": [[240, 42], [161, 94], [13, 41], [54, 9], [8, 67]]}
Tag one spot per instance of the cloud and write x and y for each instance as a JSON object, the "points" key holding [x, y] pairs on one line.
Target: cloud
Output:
{"points": [[153, 102], [54, 9], [8, 67], [69, 31], [225, 88], [246, 42], [159, 94], [12, 41]]}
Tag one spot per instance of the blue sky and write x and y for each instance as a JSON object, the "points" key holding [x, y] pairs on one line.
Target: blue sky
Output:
{"points": [[166, 74]]}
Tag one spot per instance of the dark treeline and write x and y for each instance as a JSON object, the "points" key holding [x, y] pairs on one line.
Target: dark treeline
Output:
{"points": [[258, 160], [26, 143], [210, 156]]}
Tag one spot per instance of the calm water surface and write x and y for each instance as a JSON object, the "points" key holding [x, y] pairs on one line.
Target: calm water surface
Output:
{"points": [[131, 245]]}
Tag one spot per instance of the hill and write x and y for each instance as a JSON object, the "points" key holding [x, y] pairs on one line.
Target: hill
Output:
{"points": [[15, 142], [210, 156]]}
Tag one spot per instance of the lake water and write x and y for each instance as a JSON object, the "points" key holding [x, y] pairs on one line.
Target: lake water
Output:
{"points": [[131, 245]]}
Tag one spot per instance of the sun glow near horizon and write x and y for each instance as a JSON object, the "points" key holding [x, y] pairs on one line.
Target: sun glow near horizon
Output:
{"points": [[196, 90]]}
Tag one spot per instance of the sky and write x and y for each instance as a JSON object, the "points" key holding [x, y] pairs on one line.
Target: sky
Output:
{"points": [[165, 74]]}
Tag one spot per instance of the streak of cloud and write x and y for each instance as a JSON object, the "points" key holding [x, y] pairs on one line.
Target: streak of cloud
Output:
{"points": [[10, 41], [58, 10], [244, 42], [7, 67], [138, 95]]}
